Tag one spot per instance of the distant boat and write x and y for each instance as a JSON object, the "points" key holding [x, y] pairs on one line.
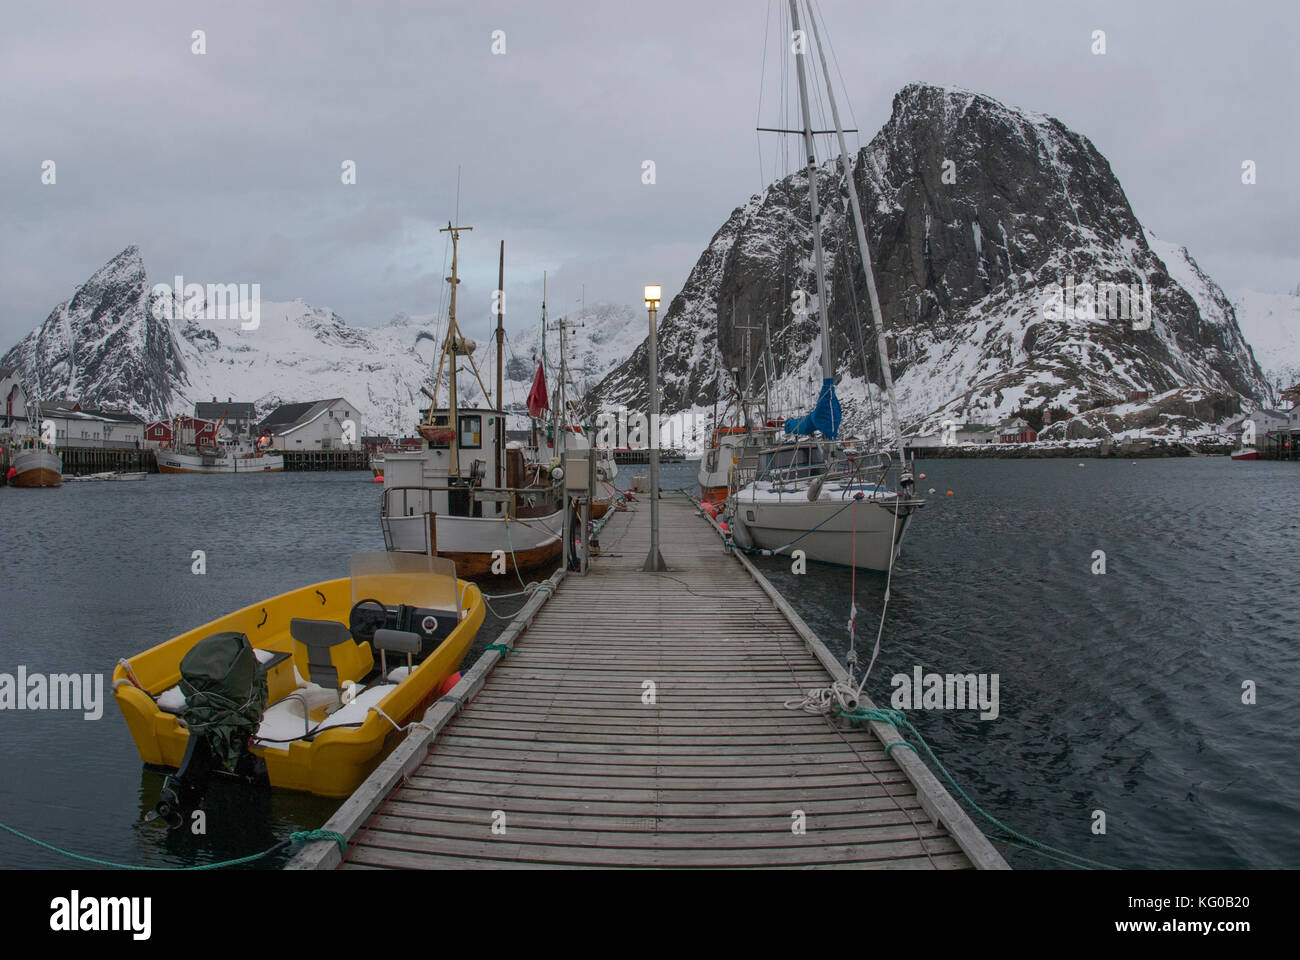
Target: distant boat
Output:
{"points": [[35, 464], [172, 461], [1245, 453], [104, 475]]}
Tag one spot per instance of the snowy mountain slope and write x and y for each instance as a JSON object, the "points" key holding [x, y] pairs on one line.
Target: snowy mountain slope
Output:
{"points": [[980, 218], [112, 344], [1271, 324], [975, 211]]}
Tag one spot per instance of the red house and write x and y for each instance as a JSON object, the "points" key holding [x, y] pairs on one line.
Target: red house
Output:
{"points": [[195, 432], [1016, 431]]}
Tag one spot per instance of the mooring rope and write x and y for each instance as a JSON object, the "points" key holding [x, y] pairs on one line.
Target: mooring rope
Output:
{"points": [[899, 720], [294, 839]]}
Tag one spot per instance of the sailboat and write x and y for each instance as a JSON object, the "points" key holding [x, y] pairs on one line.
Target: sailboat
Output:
{"points": [[812, 492], [466, 495]]}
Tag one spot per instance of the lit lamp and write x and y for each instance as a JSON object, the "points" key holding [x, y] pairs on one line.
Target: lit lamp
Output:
{"points": [[654, 560]]}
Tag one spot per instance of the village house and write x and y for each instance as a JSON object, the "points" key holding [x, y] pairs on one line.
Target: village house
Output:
{"points": [[78, 426], [13, 401], [237, 419], [315, 425], [183, 430], [1016, 430]]}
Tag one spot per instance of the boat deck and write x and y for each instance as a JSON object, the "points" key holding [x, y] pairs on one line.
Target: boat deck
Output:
{"points": [[639, 721]]}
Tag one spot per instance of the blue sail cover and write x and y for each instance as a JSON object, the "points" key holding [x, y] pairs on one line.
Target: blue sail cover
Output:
{"points": [[825, 416]]}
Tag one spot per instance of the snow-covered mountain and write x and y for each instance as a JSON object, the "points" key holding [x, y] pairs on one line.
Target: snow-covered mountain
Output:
{"points": [[975, 210], [980, 218], [598, 339], [1270, 322], [112, 345]]}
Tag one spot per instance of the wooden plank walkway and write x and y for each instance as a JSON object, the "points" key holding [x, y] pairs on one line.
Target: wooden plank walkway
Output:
{"points": [[561, 750]]}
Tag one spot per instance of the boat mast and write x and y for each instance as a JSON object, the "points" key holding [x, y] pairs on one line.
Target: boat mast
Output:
{"points": [[501, 417], [882, 346], [828, 362], [449, 348]]}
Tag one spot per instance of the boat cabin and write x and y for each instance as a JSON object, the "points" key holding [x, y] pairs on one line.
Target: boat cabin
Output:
{"points": [[793, 461], [423, 481]]}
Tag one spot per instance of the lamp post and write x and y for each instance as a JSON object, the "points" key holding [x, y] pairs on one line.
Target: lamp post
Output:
{"points": [[654, 560]]}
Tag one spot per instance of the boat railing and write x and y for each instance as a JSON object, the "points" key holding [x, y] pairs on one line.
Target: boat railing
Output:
{"points": [[513, 497], [847, 471]]}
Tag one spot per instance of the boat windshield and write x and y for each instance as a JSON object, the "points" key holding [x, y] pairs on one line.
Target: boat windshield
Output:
{"points": [[794, 462], [411, 578]]}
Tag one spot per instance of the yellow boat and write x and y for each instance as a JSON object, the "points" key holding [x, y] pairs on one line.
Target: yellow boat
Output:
{"points": [[329, 711]]}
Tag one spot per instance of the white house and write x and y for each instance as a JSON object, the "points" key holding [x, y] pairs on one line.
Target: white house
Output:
{"points": [[1264, 421], [77, 426], [332, 424], [959, 433], [13, 401]]}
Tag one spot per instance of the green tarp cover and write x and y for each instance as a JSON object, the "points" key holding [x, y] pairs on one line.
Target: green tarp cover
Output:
{"points": [[225, 693]]}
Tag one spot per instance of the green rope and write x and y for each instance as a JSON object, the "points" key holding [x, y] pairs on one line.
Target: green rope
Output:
{"points": [[898, 743], [302, 836], [899, 719], [500, 647]]}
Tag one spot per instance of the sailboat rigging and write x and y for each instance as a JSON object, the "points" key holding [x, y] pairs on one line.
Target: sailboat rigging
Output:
{"points": [[813, 490]]}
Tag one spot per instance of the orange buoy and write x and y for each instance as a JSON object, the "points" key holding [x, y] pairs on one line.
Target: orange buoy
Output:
{"points": [[379, 480], [449, 683], [950, 493]]}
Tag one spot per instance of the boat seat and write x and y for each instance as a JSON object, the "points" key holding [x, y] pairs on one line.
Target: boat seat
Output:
{"points": [[398, 641], [326, 655]]}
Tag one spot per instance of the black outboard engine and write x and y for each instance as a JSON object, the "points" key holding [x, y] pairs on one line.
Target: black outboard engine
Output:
{"points": [[225, 694]]}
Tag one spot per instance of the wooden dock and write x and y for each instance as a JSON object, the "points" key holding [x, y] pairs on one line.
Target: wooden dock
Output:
{"points": [[562, 758]]}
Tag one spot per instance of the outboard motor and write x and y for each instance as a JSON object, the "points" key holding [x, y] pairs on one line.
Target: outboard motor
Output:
{"points": [[225, 694]]}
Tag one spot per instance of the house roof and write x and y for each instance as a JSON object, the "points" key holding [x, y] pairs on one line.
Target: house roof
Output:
{"points": [[232, 410], [290, 416], [68, 411]]}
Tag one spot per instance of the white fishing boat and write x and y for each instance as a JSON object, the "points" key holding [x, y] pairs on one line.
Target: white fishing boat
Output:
{"points": [[225, 461], [811, 494], [466, 495]]}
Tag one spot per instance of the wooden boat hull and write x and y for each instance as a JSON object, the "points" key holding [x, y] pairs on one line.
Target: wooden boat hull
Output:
{"points": [[713, 494], [476, 565], [526, 543], [336, 760], [37, 468]]}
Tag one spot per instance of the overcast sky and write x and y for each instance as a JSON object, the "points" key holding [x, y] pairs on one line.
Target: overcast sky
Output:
{"points": [[226, 167]]}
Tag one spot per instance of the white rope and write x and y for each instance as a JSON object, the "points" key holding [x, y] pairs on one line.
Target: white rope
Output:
{"points": [[413, 723], [822, 699]]}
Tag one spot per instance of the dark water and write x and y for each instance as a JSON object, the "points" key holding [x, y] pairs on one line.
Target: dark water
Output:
{"points": [[1119, 692], [91, 572]]}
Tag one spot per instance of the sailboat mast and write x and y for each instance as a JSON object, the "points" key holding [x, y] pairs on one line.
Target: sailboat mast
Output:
{"points": [[450, 349], [828, 362], [501, 417], [882, 346]]}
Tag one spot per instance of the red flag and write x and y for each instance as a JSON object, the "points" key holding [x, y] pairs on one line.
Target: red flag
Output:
{"points": [[537, 395]]}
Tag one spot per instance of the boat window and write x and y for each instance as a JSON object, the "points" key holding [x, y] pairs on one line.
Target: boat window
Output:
{"points": [[471, 428]]}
